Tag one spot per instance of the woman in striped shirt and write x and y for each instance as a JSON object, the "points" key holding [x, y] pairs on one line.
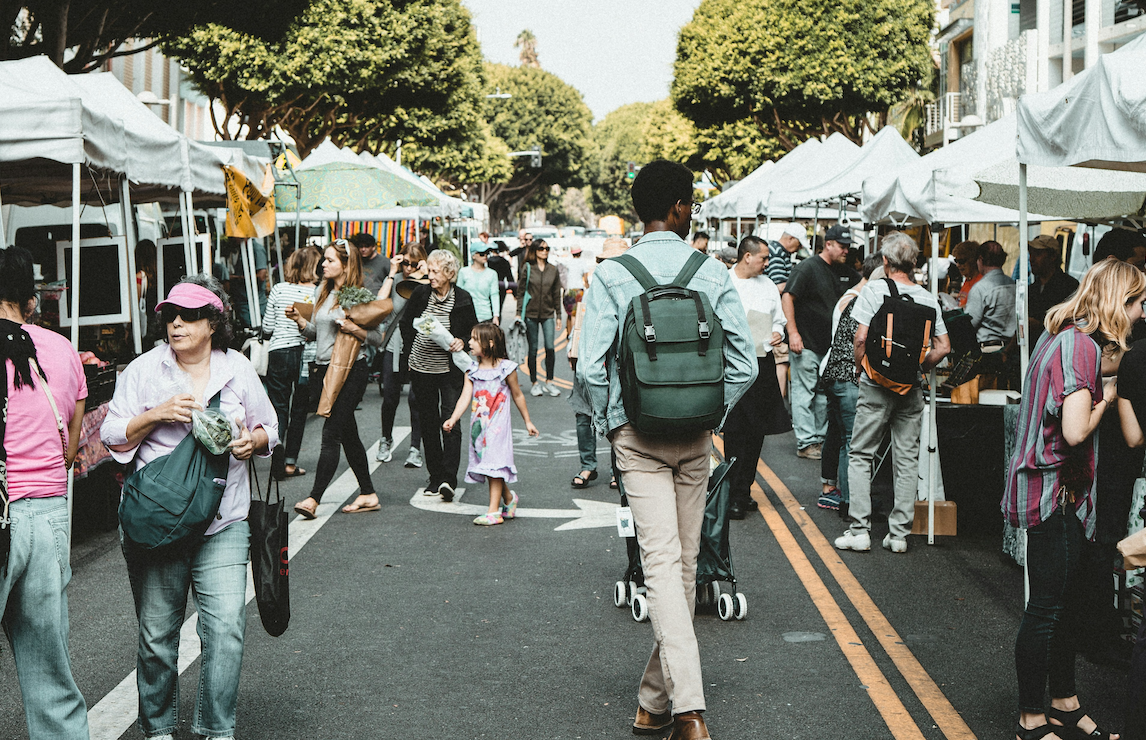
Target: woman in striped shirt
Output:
{"points": [[286, 383], [1050, 488]]}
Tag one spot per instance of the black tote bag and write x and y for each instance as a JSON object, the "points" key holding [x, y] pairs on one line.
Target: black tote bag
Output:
{"points": [[270, 564]]}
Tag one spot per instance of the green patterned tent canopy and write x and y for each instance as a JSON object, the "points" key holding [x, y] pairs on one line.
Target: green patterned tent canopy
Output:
{"points": [[348, 187]]}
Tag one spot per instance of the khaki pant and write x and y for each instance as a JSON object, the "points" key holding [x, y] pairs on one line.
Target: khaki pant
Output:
{"points": [[666, 481]]}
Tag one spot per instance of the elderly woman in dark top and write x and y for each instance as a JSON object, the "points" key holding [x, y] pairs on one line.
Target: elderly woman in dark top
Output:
{"points": [[436, 381], [149, 416], [540, 305]]}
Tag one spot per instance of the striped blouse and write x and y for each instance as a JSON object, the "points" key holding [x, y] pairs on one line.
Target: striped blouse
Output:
{"points": [[283, 331], [1043, 462], [425, 355]]}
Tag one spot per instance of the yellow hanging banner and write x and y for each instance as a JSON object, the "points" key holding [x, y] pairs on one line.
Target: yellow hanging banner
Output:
{"points": [[250, 208]]}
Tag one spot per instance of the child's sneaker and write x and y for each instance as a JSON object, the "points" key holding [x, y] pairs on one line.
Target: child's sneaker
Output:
{"points": [[509, 511], [489, 519], [830, 500]]}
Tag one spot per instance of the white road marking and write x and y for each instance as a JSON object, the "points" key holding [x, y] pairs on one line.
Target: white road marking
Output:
{"points": [[117, 711], [589, 514]]}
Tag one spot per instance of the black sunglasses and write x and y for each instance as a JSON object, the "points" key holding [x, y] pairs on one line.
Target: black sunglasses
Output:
{"points": [[187, 314], [542, 249]]}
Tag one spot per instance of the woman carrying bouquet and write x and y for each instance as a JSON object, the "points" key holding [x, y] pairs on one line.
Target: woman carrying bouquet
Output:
{"points": [[341, 268], [435, 379]]}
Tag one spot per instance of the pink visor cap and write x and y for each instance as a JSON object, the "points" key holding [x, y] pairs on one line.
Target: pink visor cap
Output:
{"points": [[190, 295]]}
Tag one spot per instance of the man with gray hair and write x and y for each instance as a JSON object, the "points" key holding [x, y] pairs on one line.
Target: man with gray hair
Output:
{"points": [[881, 409]]}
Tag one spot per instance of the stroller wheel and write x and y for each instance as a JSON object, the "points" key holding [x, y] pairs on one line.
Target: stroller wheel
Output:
{"points": [[634, 589], [725, 607], [741, 607], [714, 597], [620, 595], [640, 608]]}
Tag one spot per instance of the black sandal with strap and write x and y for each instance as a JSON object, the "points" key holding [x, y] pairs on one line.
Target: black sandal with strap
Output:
{"points": [[1070, 728], [1035, 733]]}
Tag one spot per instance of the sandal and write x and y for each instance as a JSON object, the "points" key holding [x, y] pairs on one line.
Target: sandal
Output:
{"points": [[582, 479], [1070, 728], [613, 482], [306, 512], [288, 473], [1035, 733], [361, 508]]}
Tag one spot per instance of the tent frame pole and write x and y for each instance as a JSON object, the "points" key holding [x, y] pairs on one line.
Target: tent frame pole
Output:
{"points": [[139, 316], [932, 427], [1024, 273], [75, 286]]}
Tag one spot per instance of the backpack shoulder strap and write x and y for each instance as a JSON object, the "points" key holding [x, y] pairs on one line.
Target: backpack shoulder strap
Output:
{"points": [[891, 288], [693, 264], [637, 270]]}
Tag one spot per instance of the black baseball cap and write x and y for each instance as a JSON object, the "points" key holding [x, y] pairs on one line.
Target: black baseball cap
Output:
{"points": [[839, 233]]}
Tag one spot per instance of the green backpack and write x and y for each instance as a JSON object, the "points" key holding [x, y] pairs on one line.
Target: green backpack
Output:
{"points": [[671, 355], [174, 496]]}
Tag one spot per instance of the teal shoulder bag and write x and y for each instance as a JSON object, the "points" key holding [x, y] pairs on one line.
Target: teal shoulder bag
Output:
{"points": [[174, 496]]}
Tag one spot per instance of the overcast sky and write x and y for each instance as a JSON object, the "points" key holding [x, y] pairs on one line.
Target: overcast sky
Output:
{"points": [[613, 51]]}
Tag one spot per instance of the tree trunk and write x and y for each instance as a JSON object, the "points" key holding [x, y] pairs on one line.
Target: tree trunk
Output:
{"points": [[59, 39]]}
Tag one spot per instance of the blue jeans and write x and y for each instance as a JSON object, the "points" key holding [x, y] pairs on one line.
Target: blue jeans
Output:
{"points": [[34, 603], [215, 569], [546, 326], [841, 398], [586, 441], [809, 409], [1045, 645]]}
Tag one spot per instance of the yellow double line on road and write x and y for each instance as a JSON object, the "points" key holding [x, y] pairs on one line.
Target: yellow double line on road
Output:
{"points": [[562, 342], [889, 705]]}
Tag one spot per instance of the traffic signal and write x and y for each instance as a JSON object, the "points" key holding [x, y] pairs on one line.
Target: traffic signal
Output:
{"points": [[535, 159], [631, 171]]}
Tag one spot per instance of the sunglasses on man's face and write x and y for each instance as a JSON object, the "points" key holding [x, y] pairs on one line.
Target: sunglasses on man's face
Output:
{"points": [[188, 315]]}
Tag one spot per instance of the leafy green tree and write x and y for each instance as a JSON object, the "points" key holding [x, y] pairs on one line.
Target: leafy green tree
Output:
{"points": [[618, 139], [798, 68], [362, 72], [96, 30], [543, 111]]}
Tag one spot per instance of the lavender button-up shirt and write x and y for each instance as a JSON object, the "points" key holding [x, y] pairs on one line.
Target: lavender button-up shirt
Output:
{"points": [[154, 377]]}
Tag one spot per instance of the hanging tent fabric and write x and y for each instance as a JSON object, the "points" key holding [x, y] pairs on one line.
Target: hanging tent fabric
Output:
{"points": [[777, 199], [739, 198]]}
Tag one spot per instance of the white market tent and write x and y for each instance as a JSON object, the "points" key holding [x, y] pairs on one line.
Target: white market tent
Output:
{"points": [[777, 196], [740, 198], [53, 125]]}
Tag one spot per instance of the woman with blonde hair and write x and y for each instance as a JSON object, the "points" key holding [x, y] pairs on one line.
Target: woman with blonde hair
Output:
{"points": [[286, 382], [1050, 487], [341, 266]]}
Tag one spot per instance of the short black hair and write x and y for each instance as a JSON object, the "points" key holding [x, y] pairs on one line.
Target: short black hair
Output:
{"points": [[17, 284], [362, 239], [992, 254], [700, 235], [1118, 243], [659, 186], [750, 245]]}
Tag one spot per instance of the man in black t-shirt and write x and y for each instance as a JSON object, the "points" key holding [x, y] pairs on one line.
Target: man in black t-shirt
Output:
{"points": [[810, 295]]}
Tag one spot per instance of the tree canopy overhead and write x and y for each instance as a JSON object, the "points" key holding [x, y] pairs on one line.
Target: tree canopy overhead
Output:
{"points": [[362, 72], [95, 30], [546, 112], [797, 68]]}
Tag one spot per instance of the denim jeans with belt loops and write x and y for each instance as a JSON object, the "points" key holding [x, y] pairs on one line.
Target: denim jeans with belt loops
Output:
{"points": [[215, 569], [34, 604]]}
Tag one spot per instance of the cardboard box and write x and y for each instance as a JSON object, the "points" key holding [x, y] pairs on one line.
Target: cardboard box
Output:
{"points": [[945, 518], [966, 393]]}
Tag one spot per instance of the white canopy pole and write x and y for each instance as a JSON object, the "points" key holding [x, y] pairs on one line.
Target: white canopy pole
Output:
{"points": [[248, 257], [1024, 272], [139, 316], [185, 228], [279, 250], [932, 428], [75, 286], [3, 234], [205, 266]]}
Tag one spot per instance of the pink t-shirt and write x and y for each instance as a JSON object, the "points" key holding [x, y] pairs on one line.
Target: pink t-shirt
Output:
{"points": [[35, 457]]}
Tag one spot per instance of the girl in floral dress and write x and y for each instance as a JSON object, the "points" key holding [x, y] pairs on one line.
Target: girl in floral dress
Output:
{"points": [[491, 381]]}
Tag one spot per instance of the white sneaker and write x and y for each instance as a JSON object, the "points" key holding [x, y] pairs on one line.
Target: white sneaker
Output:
{"points": [[537, 389], [168, 736], [552, 390], [895, 544], [385, 451], [414, 459], [849, 540]]}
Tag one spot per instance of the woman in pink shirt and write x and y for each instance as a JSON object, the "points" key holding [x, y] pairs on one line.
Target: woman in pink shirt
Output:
{"points": [[149, 415], [41, 411]]}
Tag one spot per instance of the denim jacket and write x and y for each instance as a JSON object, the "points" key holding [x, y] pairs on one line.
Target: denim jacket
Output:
{"points": [[663, 254]]}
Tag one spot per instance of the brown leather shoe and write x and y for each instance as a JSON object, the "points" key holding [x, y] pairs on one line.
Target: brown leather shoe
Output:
{"points": [[689, 726], [648, 723]]}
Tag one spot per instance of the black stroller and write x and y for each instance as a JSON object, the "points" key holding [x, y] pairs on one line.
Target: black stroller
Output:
{"points": [[713, 566]]}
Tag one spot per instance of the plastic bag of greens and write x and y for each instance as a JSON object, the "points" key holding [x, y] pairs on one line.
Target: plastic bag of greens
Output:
{"points": [[212, 429]]}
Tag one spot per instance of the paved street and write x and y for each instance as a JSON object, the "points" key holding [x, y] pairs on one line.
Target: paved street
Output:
{"points": [[414, 623]]}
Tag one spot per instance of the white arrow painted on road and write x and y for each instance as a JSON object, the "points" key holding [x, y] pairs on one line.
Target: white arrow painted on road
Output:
{"points": [[589, 514]]}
